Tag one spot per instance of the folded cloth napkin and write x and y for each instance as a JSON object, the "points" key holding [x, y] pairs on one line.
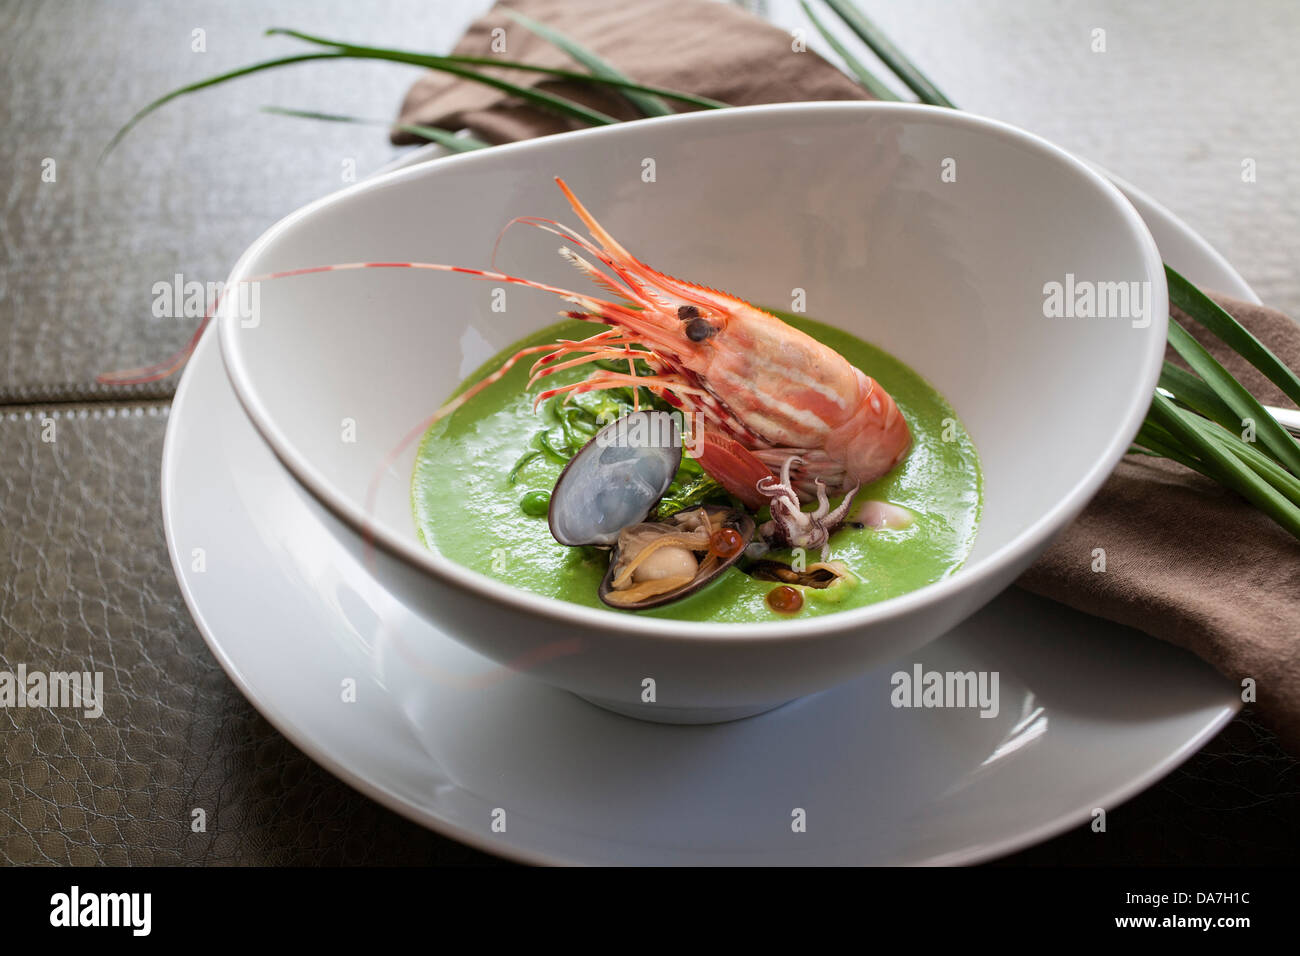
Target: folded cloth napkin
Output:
{"points": [[694, 46], [1185, 560], [1188, 560]]}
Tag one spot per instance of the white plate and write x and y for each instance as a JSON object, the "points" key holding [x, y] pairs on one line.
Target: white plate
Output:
{"points": [[1092, 713]]}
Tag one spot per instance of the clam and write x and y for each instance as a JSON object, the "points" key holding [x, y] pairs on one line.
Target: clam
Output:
{"points": [[654, 563], [609, 488], [616, 479]]}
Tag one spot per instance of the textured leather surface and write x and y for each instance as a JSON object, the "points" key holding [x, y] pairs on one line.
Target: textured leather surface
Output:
{"points": [[86, 585], [1185, 91]]}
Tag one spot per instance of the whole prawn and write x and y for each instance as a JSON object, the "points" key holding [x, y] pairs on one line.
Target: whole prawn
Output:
{"points": [[774, 413]]}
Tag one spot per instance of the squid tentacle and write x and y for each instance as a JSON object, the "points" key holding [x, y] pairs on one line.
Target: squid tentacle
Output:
{"points": [[793, 527]]}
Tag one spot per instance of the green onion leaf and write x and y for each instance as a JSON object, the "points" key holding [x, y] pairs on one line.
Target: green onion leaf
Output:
{"points": [[1191, 391], [1277, 476], [1204, 310], [1273, 436], [452, 141], [435, 62], [864, 76], [1161, 444], [557, 104], [889, 54], [1224, 467], [204, 84], [647, 103]]}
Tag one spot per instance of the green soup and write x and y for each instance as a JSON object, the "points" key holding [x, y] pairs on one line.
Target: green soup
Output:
{"points": [[466, 508]]}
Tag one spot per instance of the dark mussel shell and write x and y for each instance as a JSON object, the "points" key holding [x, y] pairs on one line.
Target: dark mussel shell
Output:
{"points": [[778, 571]]}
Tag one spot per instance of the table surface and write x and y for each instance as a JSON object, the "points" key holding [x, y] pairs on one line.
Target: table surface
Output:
{"points": [[1185, 92]]}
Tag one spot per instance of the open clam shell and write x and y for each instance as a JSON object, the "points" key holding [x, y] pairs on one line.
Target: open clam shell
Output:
{"points": [[707, 567], [616, 479]]}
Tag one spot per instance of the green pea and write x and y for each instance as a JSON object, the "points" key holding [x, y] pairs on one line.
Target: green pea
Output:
{"points": [[535, 503]]}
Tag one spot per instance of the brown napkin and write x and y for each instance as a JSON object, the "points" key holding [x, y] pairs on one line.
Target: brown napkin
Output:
{"points": [[1186, 560], [1191, 562], [696, 46]]}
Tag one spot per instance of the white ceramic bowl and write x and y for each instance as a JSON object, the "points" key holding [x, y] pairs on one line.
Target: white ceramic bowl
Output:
{"points": [[928, 232]]}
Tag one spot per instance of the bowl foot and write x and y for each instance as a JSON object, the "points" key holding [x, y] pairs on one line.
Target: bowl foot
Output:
{"points": [[659, 714]]}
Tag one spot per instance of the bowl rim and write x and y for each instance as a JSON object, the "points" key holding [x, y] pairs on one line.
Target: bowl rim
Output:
{"points": [[473, 584]]}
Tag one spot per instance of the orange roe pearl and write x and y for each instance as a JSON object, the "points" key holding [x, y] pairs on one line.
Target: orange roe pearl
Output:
{"points": [[784, 600], [726, 542]]}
